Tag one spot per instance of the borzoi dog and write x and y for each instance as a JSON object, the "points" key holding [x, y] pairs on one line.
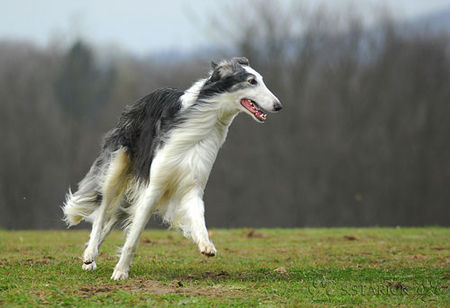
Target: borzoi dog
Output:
{"points": [[158, 158]]}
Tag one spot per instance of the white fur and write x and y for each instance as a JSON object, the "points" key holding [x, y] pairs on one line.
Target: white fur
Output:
{"points": [[191, 94]]}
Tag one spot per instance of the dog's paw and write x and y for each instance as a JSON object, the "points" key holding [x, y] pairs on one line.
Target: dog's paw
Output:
{"points": [[89, 256], [119, 275], [90, 266], [208, 249]]}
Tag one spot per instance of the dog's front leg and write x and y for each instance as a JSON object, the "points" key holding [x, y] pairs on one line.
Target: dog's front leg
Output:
{"points": [[194, 222], [141, 217]]}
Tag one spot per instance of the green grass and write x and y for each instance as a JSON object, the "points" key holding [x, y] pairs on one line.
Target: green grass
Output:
{"points": [[272, 267]]}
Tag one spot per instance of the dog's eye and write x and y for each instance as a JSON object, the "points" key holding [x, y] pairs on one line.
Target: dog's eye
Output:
{"points": [[252, 81]]}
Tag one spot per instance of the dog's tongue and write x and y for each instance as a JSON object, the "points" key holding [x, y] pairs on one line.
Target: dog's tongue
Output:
{"points": [[254, 109]]}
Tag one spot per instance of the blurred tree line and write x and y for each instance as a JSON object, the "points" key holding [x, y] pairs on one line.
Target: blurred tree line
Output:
{"points": [[364, 138]]}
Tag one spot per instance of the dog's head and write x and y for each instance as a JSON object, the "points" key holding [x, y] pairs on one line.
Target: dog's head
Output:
{"points": [[237, 87]]}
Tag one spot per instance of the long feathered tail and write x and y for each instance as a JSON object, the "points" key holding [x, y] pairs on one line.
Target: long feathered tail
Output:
{"points": [[81, 204]]}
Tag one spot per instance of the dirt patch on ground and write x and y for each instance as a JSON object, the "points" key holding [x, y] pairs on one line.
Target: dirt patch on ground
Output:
{"points": [[212, 275], [398, 285], [280, 270], [438, 248], [253, 234], [215, 274], [44, 260], [351, 237], [158, 288], [146, 241]]}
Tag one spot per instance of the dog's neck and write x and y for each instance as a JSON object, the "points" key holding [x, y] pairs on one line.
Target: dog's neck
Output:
{"points": [[205, 117], [205, 122]]}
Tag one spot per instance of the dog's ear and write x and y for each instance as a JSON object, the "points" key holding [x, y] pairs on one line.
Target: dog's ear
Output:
{"points": [[226, 68], [220, 70], [241, 60], [215, 76]]}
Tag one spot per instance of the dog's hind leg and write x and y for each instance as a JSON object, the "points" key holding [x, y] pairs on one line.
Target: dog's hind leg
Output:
{"points": [[146, 203], [105, 216], [107, 228]]}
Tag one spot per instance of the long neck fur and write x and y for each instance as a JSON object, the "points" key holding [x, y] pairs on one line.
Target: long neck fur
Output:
{"points": [[203, 119]]}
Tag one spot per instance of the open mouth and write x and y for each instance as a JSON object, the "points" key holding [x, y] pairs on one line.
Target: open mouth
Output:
{"points": [[254, 109]]}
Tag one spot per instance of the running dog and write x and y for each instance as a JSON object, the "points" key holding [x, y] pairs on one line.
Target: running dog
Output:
{"points": [[158, 158]]}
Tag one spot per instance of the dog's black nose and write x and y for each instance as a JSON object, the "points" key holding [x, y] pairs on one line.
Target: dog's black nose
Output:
{"points": [[277, 106]]}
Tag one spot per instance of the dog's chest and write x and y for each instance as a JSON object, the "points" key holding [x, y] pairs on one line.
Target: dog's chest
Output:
{"points": [[187, 157]]}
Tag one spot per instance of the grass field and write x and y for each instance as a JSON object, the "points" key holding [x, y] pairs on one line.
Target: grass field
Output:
{"points": [[272, 267]]}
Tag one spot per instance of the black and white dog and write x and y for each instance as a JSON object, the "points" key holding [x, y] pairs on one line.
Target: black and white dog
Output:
{"points": [[159, 156]]}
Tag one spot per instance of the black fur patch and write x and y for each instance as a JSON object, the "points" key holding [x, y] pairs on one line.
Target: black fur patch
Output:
{"points": [[216, 86], [228, 75], [142, 127]]}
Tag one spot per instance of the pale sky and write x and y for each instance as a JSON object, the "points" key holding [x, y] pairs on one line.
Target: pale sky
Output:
{"points": [[144, 26]]}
